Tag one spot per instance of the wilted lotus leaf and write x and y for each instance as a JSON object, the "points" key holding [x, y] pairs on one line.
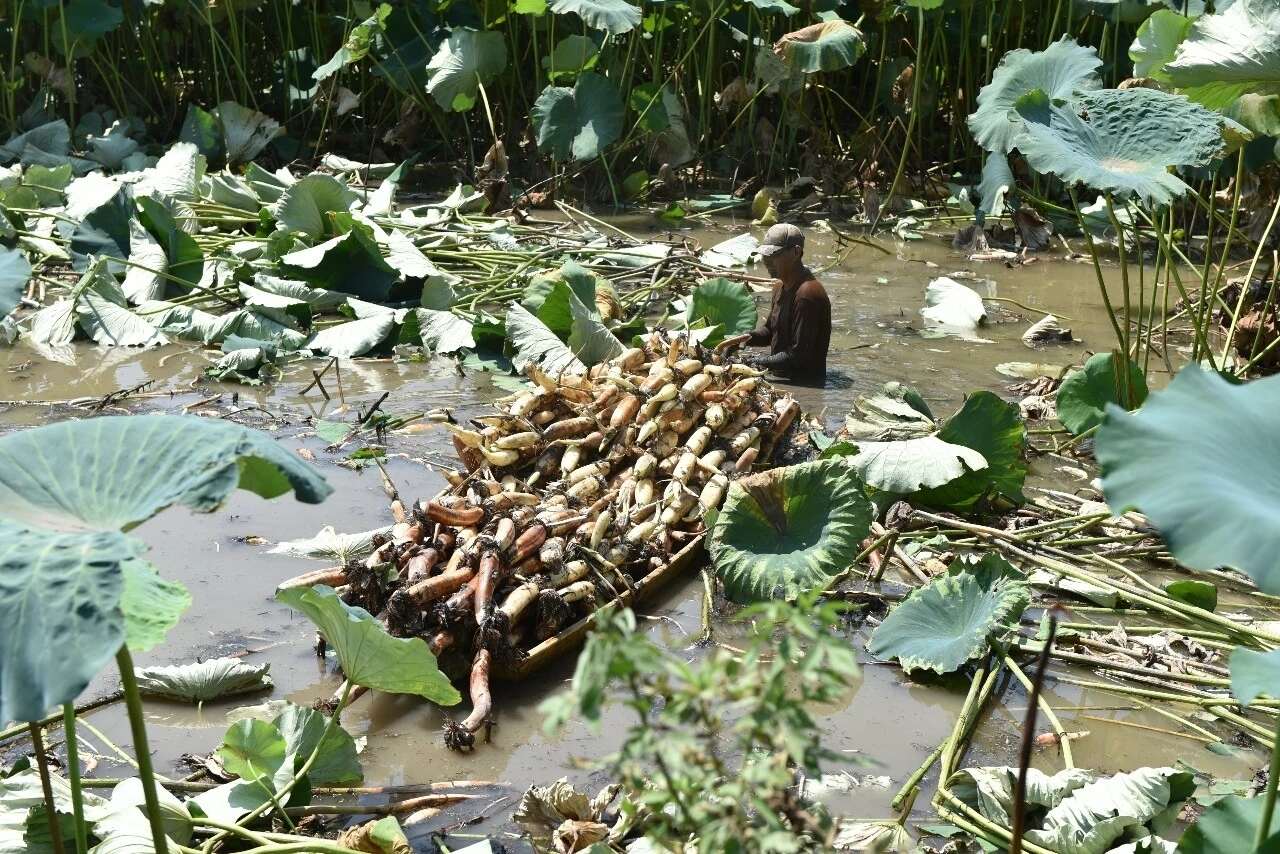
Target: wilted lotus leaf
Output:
{"points": [[1060, 71], [824, 46], [203, 680], [789, 530]]}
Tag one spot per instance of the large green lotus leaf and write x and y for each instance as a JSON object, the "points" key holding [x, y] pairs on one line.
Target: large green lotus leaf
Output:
{"points": [[465, 61], [59, 609], [15, 272], [615, 17], [1156, 43], [1259, 113], [581, 122], [112, 324], [104, 232], [724, 304], [535, 343], [789, 530], [150, 604], [572, 54], [589, 339], [256, 749], [252, 749], [995, 430], [304, 207], [203, 680], [444, 332], [1230, 53], [1126, 147], [1254, 674], [110, 473], [905, 466], [1229, 826], [824, 46], [1199, 459], [369, 656], [581, 282], [950, 620], [85, 22], [1086, 393], [355, 337], [1060, 70], [555, 306]]}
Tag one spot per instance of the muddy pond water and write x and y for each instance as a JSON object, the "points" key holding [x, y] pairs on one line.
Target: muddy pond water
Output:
{"points": [[885, 726]]}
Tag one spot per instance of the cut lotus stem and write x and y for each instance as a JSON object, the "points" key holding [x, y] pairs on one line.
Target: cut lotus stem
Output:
{"points": [[334, 576], [463, 517]]}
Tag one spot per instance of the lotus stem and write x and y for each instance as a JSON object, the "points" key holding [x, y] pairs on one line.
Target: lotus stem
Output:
{"points": [[1273, 774], [73, 769], [46, 786], [138, 728]]}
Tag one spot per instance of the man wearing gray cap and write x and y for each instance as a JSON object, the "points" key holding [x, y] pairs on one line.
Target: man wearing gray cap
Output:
{"points": [[798, 327]]}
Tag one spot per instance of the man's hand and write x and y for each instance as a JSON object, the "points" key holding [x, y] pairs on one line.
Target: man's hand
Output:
{"points": [[728, 345]]}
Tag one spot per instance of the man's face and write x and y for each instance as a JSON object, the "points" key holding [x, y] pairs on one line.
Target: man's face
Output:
{"points": [[780, 263]]}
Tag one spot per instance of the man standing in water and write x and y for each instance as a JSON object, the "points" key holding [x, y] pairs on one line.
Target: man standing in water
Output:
{"points": [[798, 327]]}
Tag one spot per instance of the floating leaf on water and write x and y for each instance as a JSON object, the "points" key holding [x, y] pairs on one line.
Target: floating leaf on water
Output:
{"points": [[1219, 511], [953, 308], [824, 46], [1085, 394], [952, 619], [1028, 370], [328, 544], [369, 656], [203, 680], [790, 530], [1061, 70], [581, 122]]}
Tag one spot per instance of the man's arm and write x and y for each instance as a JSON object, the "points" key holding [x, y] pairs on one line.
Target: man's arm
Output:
{"points": [[801, 354], [763, 334]]}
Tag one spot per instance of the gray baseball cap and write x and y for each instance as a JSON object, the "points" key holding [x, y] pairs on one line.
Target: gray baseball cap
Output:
{"points": [[784, 235]]}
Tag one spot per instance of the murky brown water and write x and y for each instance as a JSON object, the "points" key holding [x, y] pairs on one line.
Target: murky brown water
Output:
{"points": [[886, 719]]}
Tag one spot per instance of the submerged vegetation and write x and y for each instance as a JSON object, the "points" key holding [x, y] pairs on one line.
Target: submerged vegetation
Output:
{"points": [[247, 177]]}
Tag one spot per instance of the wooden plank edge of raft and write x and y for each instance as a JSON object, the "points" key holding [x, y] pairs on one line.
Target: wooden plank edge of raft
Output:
{"points": [[564, 642]]}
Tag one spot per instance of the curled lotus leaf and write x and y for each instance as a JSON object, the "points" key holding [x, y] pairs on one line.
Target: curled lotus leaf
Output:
{"points": [[824, 46], [789, 530]]}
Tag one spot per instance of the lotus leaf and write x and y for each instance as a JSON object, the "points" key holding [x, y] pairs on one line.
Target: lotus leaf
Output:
{"points": [[536, 344], [1254, 674], [203, 680], [952, 619], [615, 17], [118, 471], [909, 465], [273, 751], [369, 656], [15, 272], [787, 531], [245, 131], [572, 54], [355, 337], [953, 308], [183, 259], [1230, 53], [444, 332], [1229, 826], [85, 22], [350, 263], [1200, 594], [304, 207], [328, 543], [581, 122], [1156, 43], [1127, 145], [356, 47], [824, 46], [150, 604], [1061, 70], [464, 62], [104, 231], [723, 305], [60, 609], [1085, 394], [997, 181], [993, 428], [385, 836], [1220, 510]]}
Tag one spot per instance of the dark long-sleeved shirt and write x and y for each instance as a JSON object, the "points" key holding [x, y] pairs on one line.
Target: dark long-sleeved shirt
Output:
{"points": [[797, 330]]}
